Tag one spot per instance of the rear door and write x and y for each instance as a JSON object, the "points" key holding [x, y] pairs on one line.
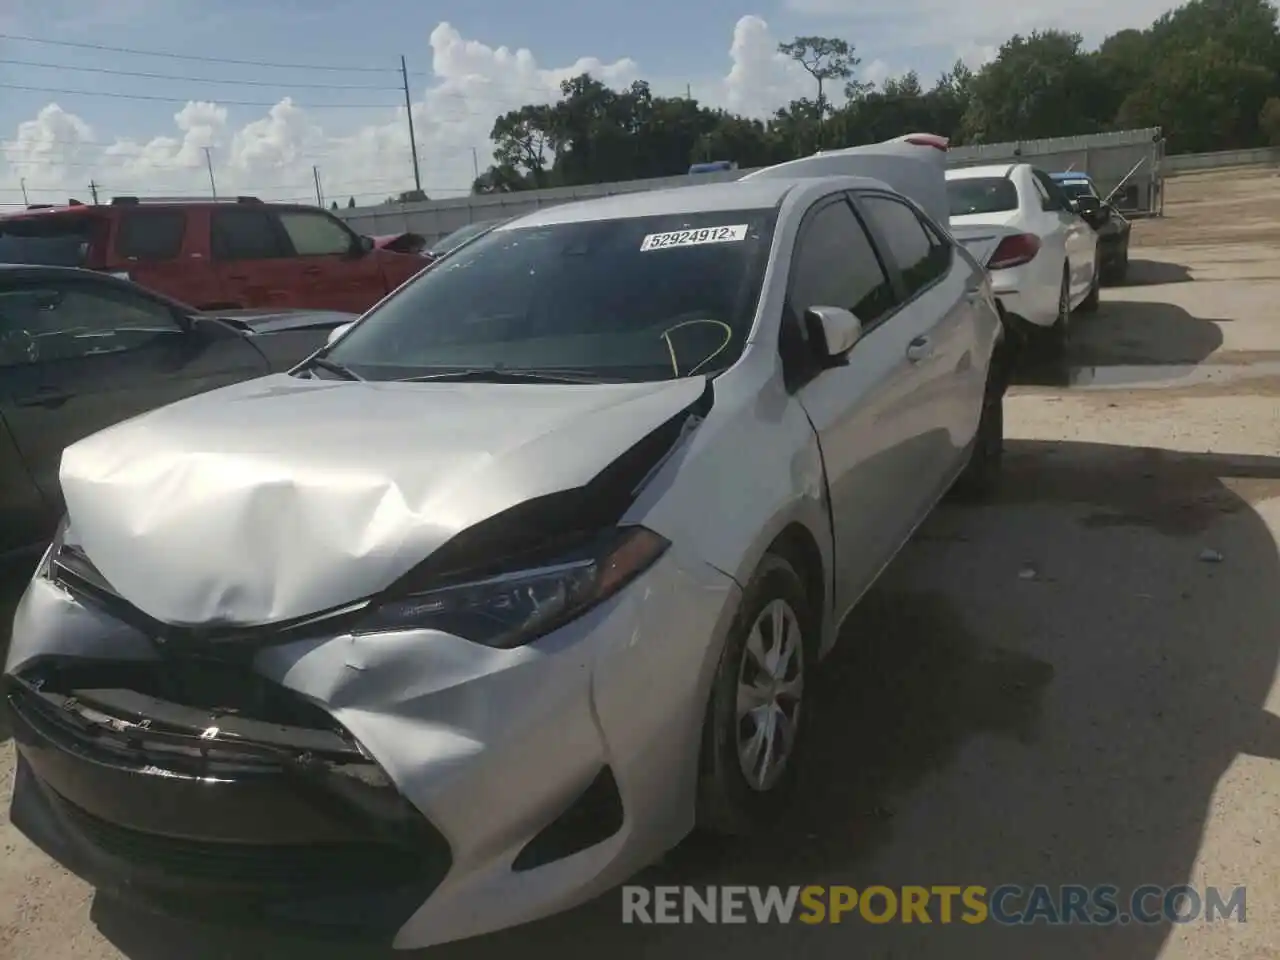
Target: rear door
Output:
{"points": [[253, 260], [338, 273], [862, 411], [938, 289], [84, 354], [151, 247]]}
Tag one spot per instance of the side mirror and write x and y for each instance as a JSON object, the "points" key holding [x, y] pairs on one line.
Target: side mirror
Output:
{"points": [[363, 246], [840, 329], [1087, 204], [337, 332]]}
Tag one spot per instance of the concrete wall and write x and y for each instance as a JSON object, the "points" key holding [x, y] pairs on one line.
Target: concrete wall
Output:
{"points": [[1107, 157], [1196, 162]]}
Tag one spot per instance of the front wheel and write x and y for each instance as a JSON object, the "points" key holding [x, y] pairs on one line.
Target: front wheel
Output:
{"points": [[758, 714], [1090, 303]]}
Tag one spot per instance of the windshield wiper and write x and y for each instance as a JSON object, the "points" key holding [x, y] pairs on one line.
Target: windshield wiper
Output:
{"points": [[324, 363], [501, 374]]}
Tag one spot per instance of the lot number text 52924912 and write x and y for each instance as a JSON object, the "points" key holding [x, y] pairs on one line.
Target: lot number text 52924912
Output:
{"points": [[694, 238]]}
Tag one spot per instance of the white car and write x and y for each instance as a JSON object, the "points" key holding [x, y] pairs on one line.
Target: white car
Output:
{"points": [[485, 605], [1045, 270]]}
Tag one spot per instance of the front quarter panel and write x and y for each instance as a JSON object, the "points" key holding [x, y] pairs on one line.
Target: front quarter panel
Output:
{"points": [[753, 468]]}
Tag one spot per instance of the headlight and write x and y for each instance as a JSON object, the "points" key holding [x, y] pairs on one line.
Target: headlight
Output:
{"points": [[513, 608]]}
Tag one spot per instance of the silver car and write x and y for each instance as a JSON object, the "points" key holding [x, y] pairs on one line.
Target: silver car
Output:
{"points": [[490, 602]]}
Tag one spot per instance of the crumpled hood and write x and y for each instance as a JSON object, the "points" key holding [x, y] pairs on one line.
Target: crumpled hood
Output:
{"points": [[279, 497]]}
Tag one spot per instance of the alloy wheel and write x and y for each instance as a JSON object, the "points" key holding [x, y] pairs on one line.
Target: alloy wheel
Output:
{"points": [[770, 689]]}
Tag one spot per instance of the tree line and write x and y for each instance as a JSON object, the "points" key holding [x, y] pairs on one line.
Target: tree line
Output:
{"points": [[1207, 74]]}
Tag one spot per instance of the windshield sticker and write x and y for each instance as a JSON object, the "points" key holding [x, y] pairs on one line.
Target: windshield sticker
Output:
{"points": [[693, 238]]}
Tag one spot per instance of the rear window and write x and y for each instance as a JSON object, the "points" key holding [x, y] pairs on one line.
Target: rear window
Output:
{"points": [[246, 235], [151, 234], [1076, 188], [51, 239], [981, 195], [461, 236]]}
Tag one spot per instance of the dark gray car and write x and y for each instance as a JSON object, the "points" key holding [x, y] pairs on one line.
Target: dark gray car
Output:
{"points": [[81, 350]]}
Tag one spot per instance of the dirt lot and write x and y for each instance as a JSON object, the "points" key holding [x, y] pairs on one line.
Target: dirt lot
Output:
{"points": [[1054, 688]]}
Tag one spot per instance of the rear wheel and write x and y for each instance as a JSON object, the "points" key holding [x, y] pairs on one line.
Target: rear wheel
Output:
{"points": [[1090, 303], [1057, 337], [981, 475], [758, 715]]}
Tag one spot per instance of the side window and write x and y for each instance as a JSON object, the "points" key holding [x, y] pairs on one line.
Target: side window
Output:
{"points": [[315, 234], [42, 323], [921, 256], [1042, 195], [245, 235], [1057, 199], [150, 235], [835, 265]]}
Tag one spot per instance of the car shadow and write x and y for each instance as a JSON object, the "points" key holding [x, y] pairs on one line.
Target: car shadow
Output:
{"points": [[1132, 339], [1042, 689], [1146, 273]]}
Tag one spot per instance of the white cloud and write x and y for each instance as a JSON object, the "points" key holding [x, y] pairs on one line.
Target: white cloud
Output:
{"points": [[57, 153]]}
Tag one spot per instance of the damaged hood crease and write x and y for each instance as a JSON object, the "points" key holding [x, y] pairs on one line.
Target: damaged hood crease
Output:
{"points": [[275, 499]]}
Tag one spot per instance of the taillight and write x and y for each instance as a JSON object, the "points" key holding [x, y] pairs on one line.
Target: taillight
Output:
{"points": [[1014, 251]]}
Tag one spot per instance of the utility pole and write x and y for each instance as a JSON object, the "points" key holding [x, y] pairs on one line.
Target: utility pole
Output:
{"points": [[688, 91], [315, 173], [208, 162], [408, 109], [93, 189], [475, 162], [23, 184]]}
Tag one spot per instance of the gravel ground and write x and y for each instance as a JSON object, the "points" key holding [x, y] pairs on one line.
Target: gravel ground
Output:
{"points": [[1052, 688]]}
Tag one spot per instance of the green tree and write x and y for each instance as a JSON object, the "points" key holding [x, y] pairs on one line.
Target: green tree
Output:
{"points": [[1204, 97], [351, 203], [1269, 121], [825, 59], [1042, 85]]}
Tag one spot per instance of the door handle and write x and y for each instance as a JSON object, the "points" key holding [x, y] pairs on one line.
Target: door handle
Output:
{"points": [[311, 271], [921, 348], [237, 277], [44, 397]]}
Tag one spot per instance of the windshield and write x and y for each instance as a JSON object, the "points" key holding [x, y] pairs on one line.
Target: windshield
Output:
{"points": [[58, 241], [982, 195], [461, 236], [646, 298], [1076, 188]]}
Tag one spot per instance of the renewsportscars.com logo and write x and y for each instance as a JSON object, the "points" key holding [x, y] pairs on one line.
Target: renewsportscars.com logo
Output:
{"points": [[1007, 905]]}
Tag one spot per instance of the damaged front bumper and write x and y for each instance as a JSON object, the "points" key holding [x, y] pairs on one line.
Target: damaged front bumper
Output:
{"points": [[411, 785]]}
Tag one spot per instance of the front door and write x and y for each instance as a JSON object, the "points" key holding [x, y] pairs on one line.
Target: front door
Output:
{"points": [[252, 259], [339, 274], [90, 354], [861, 410]]}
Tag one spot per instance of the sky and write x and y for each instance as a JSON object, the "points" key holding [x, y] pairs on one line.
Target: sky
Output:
{"points": [[318, 95]]}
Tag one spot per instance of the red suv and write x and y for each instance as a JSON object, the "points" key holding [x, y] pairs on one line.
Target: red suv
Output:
{"points": [[215, 254]]}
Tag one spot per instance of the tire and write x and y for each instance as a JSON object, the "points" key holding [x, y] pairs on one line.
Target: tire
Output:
{"points": [[1090, 303], [1119, 271], [728, 803], [1057, 337], [980, 478]]}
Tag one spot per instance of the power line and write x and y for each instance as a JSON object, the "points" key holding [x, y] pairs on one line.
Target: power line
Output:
{"points": [[219, 101], [191, 56], [170, 76]]}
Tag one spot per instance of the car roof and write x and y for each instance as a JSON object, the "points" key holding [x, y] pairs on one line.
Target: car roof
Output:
{"points": [[721, 197], [988, 170], [701, 198]]}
